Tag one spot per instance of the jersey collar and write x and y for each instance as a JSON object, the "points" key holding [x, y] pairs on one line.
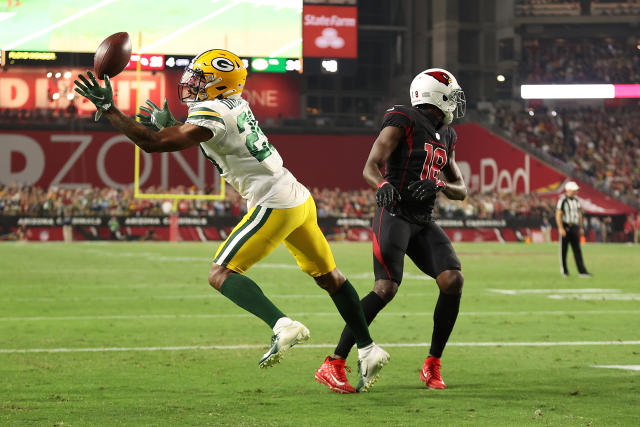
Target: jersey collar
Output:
{"points": [[437, 124]]}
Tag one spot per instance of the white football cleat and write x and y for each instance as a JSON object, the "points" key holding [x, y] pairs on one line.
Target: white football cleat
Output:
{"points": [[369, 367], [286, 338]]}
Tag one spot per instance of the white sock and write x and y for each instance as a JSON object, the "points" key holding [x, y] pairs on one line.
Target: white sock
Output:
{"points": [[281, 323], [364, 351]]}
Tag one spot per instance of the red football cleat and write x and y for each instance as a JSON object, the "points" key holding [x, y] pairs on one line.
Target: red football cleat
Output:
{"points": [[331, 373], [430, 373]]}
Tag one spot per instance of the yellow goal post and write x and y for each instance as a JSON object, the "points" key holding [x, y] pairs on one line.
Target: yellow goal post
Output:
{"points": [[137, 193]]}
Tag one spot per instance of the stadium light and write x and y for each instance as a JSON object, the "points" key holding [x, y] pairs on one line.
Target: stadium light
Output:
{"points": [[55, 96], [58, 75], [49, 74], [500, 78], [70, 96], [627, 91], [67, 74], [580, 91], [259, 64], [330, 65], [567, 91]]}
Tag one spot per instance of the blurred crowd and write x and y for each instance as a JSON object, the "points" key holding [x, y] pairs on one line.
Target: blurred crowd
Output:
{"points": [[576, 7], [91, 201], [496, 206], [61, 202], [585, 60], [46, 115], [599, 144]]}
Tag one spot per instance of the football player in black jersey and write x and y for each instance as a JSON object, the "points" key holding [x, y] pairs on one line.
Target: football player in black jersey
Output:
{"points": [[415, 144]]}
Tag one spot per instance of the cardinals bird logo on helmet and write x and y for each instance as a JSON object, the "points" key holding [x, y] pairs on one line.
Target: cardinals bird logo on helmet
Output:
{"points": [[440, 88]]}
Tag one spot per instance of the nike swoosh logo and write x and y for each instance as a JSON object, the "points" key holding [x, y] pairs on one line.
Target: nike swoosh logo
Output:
{"points": [[98, 97], [336, 380], [425, 373]]}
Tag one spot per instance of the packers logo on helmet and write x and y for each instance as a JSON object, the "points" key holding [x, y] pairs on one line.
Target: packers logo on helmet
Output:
{"points": [[214, 74]]}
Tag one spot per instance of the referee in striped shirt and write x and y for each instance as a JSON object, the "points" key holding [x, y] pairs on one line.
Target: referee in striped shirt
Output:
{"points": [[569, 221]]}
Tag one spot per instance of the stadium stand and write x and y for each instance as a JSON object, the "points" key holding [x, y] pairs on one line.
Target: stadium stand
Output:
{"points": [[601, 144], [17, 200], [609, 60]]}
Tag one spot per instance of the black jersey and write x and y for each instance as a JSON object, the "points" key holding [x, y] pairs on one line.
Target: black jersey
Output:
{"points": [[422, 153]]}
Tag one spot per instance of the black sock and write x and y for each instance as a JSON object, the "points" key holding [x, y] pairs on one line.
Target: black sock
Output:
{"points": [[371, 306], [444, 317]]}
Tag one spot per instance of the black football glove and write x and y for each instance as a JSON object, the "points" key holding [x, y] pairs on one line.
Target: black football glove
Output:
{"points": [[387, 196], [424, 189]]}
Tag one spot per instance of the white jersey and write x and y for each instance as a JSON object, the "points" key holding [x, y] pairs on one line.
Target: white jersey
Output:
{"points": [[243, 156]]}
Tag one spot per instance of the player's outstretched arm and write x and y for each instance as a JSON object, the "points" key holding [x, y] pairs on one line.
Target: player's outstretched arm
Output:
{"points": [[174, 138], [455, 188]]}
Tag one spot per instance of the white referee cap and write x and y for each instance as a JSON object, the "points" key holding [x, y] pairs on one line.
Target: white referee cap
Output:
{"points": [[571, 186]]}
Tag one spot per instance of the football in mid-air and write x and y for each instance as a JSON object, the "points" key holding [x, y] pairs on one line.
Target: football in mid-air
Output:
{"points": [[112, 55]]}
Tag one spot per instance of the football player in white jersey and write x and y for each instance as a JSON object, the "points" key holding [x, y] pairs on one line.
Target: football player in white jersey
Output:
{"points": [[280, 208]]}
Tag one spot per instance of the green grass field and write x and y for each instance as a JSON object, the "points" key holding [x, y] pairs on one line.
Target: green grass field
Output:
{"points": [[121, 323]]}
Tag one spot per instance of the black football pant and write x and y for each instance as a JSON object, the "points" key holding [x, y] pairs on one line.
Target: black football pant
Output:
{"points": [[572, 238], [431, 251]]}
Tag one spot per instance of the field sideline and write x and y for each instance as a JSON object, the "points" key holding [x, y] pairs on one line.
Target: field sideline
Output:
{"points": [[131, 334]]}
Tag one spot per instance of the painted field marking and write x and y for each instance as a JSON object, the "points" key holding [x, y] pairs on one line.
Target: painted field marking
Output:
{"points": [[605, 296], [588, 294], [553, 291], [310, 314], [58, 24], [626, 367], [178, 297], [260, 346], [171, 35], [263, 265]]}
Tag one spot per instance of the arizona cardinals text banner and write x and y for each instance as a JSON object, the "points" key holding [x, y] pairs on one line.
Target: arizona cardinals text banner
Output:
{"points": [[330, 31]]}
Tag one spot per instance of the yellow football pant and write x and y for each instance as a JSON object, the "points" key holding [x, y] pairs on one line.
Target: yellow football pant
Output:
{"points": [[261, 231]]}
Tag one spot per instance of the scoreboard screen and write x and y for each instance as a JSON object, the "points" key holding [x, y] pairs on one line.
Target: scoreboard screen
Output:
{"points": [[249, 28]]}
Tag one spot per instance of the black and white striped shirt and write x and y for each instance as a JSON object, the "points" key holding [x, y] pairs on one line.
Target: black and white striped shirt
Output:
{"points": [[570, 207]]}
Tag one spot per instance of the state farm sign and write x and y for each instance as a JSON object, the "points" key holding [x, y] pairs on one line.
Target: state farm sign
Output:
{"points": [[330, 31]]}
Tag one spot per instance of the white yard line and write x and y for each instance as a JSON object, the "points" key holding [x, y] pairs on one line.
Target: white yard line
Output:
{"points": [[259, 346], [553, 291], [173, 297], [626, 367], [169, 36], [52, 27], [311, 314], [599, 297], [6, 15], [284, 48]]}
